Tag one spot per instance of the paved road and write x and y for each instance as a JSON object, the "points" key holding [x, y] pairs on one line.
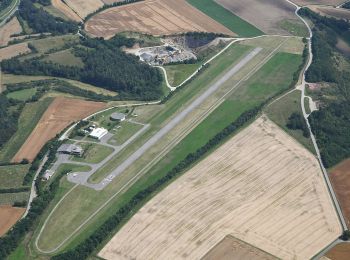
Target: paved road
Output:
{"points": [[82, 178], [9, 13]]}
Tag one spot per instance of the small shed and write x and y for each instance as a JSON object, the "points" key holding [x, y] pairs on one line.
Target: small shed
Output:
{"points": [[118, 117]]}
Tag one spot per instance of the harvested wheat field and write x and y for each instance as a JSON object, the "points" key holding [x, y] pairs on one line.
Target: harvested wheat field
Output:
{"points": [[10, 28], [8, 217], [318, 2], [261, 186], [339, 13], [340, 178], [156, 17], [265, 15], [339, 252], [60, 5], [84, 7], [13, 50], [60, 114], [231, 248]]}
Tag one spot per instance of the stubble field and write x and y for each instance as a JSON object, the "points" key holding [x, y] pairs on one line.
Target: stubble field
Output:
{"points": [[8, 217], [84, 7], [10, 28], [60, 114], [261, 187], [14, 50], [162, 17], [60, 5], [266, 15]]}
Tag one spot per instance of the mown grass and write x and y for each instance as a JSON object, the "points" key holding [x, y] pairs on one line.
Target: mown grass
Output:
{"points": [[122, 134], [64, 57], [11, 176], [23, 94], [226, 18], [93, 153], [280, 111], [178, 73], [28, 119], [295, 28]]}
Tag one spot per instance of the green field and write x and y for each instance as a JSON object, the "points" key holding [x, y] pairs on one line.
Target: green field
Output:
{"points": [[93, 153], [280, 111], [11, 176], [122, 134], [226, 18], [64, 57], [10, 198], [23, 94], [178, 73], [28, 119], [295, 28]]}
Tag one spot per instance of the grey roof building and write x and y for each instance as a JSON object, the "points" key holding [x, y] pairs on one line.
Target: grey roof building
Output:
{"points": [[70, 149], [117, 117]]}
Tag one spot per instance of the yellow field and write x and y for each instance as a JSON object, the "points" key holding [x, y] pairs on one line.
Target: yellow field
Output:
{"points": [[262, 187], [83, 7]]}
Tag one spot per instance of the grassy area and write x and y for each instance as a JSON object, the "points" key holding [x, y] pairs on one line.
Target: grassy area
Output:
{"points": [[23, 94], [178, 73], [19, 253], [64, 57], [307, 105], [11, 176], [10, 198], [295, 28], [280, 111], [226, 18], [28, 119], [122, 134], [93, 153]]}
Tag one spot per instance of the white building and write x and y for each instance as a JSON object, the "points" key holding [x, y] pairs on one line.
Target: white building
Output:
{"points": [[98, 133], [48, 174]]}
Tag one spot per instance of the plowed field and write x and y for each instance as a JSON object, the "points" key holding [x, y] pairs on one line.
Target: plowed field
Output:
{"points": [[60, 114], [8, 217], [261, 186], [161, 17]]}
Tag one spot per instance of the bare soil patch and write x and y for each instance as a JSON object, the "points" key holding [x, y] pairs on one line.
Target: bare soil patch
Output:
{"points": [[340, 178], [84, 7], [14, 50], [162, 17], [60, 5], [318, 2], [262, 187], [231, 248], [265, 15], [8, 217], [60, 114], [339, 252], [339, 13], [10, 28]]}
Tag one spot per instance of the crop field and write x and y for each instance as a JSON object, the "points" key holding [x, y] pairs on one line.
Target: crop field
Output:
{"points": [[265, 15], [11, 176], [14, 50], [62, 7], [231, 248], [60, 114], [340, 178], [339, 252], [8, 217], [328, 11], [10, 28], [318, 2], [84, 7], [261, 187], [28, 119], [226, 18], [162, 17]]}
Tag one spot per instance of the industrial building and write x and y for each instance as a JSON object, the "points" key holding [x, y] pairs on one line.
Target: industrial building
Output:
{"points": [[118, 117], [98, 133], [71, 149]]}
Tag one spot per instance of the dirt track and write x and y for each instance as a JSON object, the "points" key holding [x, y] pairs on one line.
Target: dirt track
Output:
{"points": [[161, 17], [265, 15], [8, 217], [10, 28], [60, 114], [261, 187]]}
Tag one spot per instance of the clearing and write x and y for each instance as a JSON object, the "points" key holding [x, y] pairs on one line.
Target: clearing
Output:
{"points": [[10, 28], [83, 7], [267, 15], [162, 17], [231, 248], [60, 114], [261, 187], [14, 50], [340, 178], [8, 217]]}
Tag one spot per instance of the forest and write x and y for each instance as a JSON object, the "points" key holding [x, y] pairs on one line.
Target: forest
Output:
{"points": [[4, 4], [105, 66], [331, 123]]}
